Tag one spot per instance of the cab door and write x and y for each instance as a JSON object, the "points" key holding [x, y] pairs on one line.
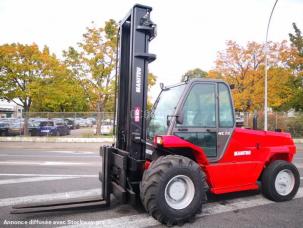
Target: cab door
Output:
{"points": [[207, 117]]}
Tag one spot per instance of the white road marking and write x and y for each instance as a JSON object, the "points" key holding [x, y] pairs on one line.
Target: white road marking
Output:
{"points": [[71, 152], [56, 163], [34, 150], [49, 155], [46, 163], [63, 163], [32, 179], [143, 220], [301, 178], [241, 204], [45, 175], [48, 197]]}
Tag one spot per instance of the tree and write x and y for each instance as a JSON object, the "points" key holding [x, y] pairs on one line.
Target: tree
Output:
{"points": [[214, 74], [61, 93], [151, 82], [22, 70], [296, 64], [94, 64], [195, 73], [297, 42], [243, 67], [152, 79]]}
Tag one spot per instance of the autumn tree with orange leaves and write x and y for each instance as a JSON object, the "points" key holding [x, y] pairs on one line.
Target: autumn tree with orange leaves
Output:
{"points": [[243, 66]]}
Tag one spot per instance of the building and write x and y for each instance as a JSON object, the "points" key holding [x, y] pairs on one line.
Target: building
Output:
{"points": [[10, 110]]}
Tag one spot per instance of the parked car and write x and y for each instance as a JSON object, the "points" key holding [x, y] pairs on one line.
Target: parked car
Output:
{"points": [[106, 128], [4, 129], [62, 127], [92, 119], [84, 122], [80, 122], [34, 128], [71, 124], [15, 128], [54, 128], [239, 121], [89, 122], [75, 122]]}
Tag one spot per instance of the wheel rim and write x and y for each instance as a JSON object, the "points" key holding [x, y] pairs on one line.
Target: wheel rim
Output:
{"points": [[285, 182], [179, 192]]}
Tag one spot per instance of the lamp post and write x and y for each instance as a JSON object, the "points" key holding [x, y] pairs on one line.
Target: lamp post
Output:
{"points": [[265, 84]]}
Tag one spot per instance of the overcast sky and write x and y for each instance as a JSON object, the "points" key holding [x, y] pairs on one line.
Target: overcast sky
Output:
{"points": [[189, 32]]}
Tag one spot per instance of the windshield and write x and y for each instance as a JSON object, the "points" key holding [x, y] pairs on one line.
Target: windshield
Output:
{"points": [[164, 106], [46, 124], [34, 124]]}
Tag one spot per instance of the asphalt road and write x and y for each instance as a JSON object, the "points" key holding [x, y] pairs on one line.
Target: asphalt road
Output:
{"points": [[33, 172]]}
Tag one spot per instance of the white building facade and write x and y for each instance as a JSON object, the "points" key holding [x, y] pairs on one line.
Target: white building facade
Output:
{"points": [[10, 110]]}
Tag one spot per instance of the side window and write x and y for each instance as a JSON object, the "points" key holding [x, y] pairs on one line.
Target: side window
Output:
{"points": [[50, 123], [200, 107], [226, 118]]}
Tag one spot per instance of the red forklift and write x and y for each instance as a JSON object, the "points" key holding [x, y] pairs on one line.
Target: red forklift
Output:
{"points": [[186, 146]]}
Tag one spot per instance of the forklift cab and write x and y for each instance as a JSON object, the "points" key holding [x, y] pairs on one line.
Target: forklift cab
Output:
{"points": [[199, 111]]}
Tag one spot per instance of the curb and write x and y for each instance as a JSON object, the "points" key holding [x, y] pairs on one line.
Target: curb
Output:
{"points": [[298, 141], [56, 139]]}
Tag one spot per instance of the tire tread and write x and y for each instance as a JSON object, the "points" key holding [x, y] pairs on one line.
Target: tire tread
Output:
{"points": [[268, 178], [150, 182]]}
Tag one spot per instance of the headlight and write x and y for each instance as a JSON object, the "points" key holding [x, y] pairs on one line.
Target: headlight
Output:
{"points": [[158, 140]]}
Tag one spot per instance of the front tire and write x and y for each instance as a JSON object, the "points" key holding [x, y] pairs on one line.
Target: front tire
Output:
{"points": [[173, 189], [280, 181]]}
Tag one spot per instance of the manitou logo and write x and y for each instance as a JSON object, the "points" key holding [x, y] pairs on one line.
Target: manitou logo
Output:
{"points": [[242, 153], [137, 114], [138, 79]]}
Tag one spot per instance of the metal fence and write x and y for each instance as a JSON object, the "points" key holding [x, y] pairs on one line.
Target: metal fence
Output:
{"points": [[68, 115], [63, 124], [291, 122], [84, 124]]}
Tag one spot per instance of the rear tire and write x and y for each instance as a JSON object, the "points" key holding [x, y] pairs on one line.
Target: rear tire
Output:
{"points": [[280, 181], [173, 189]]}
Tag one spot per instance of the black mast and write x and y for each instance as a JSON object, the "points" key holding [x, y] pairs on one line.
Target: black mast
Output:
{"points": [[136, 31]]}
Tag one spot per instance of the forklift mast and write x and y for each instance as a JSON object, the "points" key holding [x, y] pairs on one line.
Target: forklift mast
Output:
{"points": [[136, 30]]}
